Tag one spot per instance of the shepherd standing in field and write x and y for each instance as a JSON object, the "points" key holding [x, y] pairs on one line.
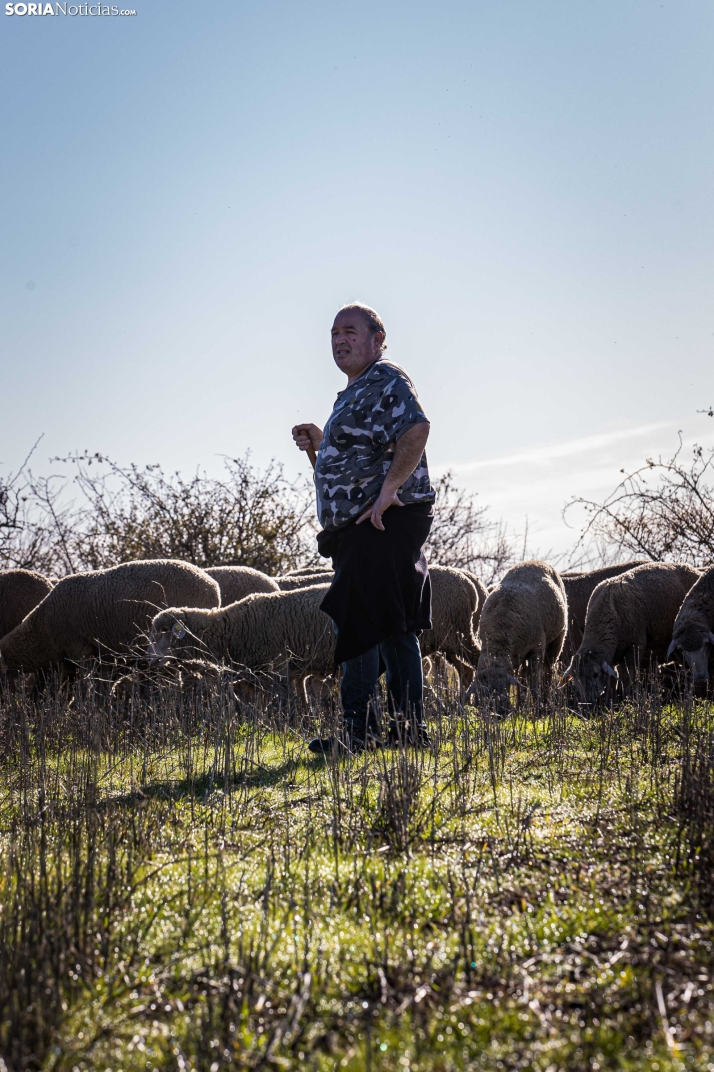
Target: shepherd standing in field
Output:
{"points": [[375, 505]]}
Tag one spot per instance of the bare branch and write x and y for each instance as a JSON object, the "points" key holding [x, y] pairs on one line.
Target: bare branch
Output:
{"points": [[663, 510], [246, 516], [463, 535]]}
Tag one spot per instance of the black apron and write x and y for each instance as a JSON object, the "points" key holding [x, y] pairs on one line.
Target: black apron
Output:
{"points": [[381, 584]]}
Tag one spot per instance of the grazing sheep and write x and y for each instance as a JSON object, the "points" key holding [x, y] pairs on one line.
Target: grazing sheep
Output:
{"points": [[579, 586], [629, 619], [693, 632], [283, 630], [291, 582], [90, 615], [20, 591], [307, 569], [236, 582], [482, 592], [288, 629], [454, 601], [524, 620]]}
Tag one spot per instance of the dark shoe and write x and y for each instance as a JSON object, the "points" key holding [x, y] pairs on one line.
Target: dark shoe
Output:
{"points": [[354, 738], [406, 733], [327, 746], [350, 745]]}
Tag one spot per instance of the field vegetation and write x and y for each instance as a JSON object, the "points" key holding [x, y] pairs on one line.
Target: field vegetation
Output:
{"points": [[184, 886]]}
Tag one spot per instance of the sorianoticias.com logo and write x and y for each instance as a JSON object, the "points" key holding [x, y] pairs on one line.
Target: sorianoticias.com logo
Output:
{"points": [[65, 9]]}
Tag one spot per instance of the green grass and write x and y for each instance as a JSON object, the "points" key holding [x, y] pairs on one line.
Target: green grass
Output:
{"points": [[186, 887]]}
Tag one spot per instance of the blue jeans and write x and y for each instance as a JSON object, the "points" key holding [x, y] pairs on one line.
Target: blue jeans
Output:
{"points": [[401, 656]]}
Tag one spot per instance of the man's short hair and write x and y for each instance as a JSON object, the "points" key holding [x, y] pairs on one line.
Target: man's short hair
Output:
{"points": [[374, 320]]}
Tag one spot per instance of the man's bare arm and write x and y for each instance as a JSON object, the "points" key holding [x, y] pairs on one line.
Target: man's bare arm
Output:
{"points": [[307, 435], [407, 455]]}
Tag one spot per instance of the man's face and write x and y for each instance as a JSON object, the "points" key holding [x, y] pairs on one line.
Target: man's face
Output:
{"points": [[353, 348]]}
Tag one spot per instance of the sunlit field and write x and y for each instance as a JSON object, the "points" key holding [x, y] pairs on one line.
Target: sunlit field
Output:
{"points": [[184, 886]]}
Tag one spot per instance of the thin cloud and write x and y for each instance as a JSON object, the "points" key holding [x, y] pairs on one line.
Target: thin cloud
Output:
{"points": [[564, 449]]}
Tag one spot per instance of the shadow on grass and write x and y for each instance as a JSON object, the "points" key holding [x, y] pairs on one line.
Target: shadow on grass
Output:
{"points": [[201, 786]]}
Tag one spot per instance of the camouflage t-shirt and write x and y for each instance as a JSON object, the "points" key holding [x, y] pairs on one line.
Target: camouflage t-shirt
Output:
{"points": [[358, 445]]}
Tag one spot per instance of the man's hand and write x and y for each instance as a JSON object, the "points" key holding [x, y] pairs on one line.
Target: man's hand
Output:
{"points": [[384, 500], [407, 455], [307, 435]]}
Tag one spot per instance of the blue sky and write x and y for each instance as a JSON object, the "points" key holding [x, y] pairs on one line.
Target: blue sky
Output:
{"points": [[522, 189]]}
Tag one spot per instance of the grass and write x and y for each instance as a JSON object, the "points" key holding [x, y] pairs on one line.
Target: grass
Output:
{"points": [[184, 886]]}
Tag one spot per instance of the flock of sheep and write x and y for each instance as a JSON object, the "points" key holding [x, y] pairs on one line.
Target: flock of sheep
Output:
{"points": [[611, 624]]}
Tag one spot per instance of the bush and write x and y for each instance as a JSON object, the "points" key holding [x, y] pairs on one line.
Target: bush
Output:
{"points": [[245, 517], [464, 536], [664, 510], [22, 543]]}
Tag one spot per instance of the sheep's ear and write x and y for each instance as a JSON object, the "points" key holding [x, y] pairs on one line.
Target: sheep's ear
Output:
{"points": [[672, 648], [178, 629], [569, 674], [608, 669], [711, 638]]}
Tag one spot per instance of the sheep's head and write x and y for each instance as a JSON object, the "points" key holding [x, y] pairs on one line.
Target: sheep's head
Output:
{"points": [[591, 675], [168, 633], [696, 646], [9, 661], [10, 673], [494, 678]]}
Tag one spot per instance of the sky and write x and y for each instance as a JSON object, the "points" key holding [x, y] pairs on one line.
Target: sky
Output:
{"points": [[522, 189]]}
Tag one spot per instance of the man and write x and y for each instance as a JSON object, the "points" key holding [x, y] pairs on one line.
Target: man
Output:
{"points": [[375, 503]]}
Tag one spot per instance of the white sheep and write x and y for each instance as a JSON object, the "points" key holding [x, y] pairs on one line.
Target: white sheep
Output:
{"points": [[20, 591], [103, 613], [630, 619], [454, 603], [237, 582], [579, 586], [523, 621], [282, 631], [693, 632], [288, 630], [290, 582]]}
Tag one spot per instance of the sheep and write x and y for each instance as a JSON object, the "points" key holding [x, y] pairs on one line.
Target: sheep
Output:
{"points": [[307, 569], [454, 601], [464, 668], [579, 586], [236, 582], [284, 630], [288, 628], [482, 592], [630, 618], [88, 615], [290, 582], [524, 620], [20, 591], [693, 629]]}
